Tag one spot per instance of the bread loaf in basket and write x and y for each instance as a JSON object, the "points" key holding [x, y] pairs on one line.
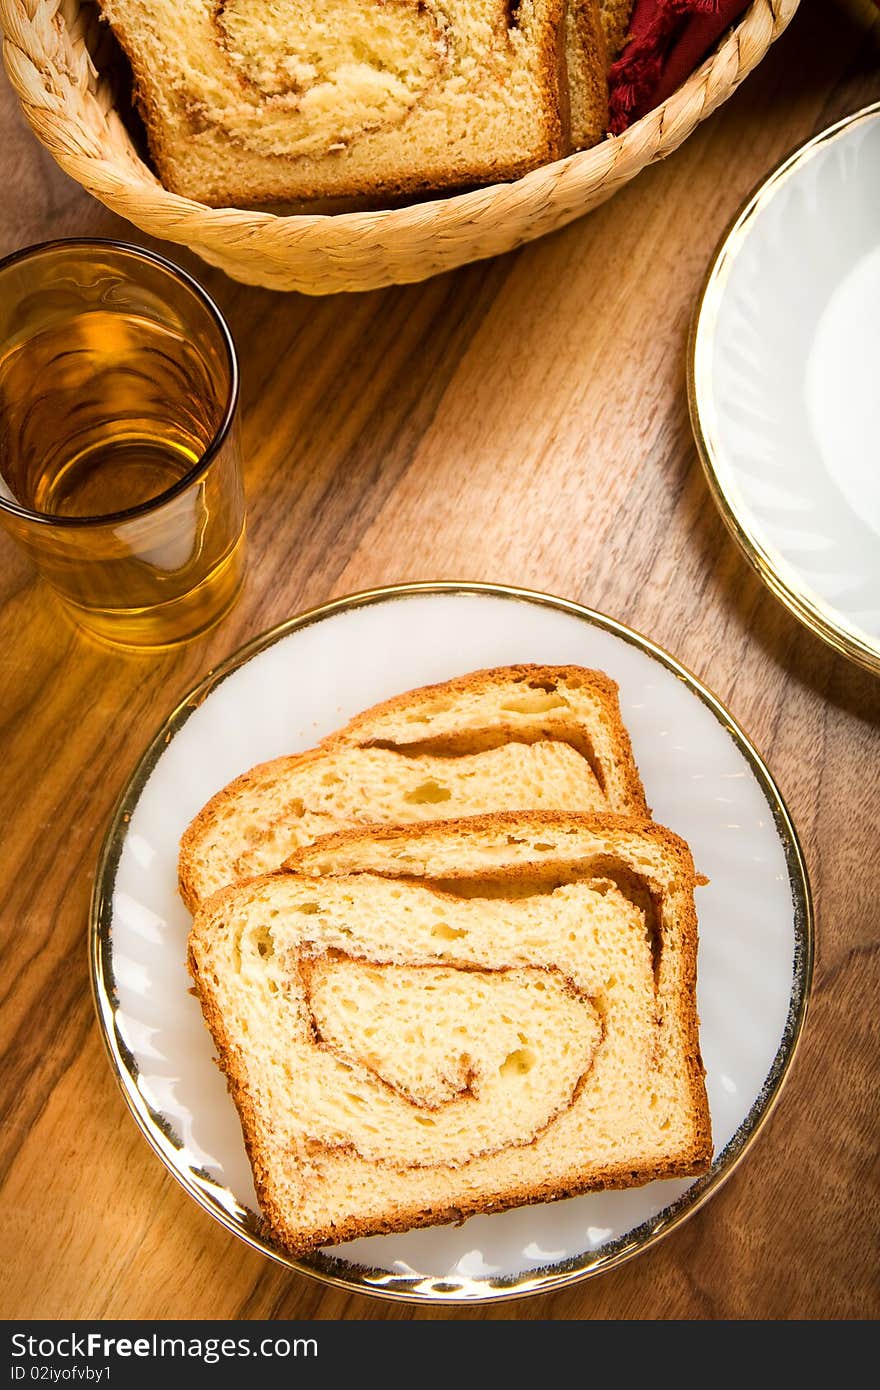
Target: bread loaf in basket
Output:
{"points": [[60, 62]]}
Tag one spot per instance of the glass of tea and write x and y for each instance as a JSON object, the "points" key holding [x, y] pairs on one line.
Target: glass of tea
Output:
{"points": [[120, 470]]}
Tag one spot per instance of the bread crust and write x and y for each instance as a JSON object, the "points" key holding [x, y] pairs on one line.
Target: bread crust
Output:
{"points": [[629, 836], [413, 1218]]}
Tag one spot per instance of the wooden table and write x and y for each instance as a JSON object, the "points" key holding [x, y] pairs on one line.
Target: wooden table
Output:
{"points": [[522, 421]]}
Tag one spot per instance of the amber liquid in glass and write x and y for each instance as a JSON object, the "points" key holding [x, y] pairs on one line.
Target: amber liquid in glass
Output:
{"points": [[99, 414]]}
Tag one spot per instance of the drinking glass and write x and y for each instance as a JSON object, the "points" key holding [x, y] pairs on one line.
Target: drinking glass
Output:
{"points": [[120, 469]]}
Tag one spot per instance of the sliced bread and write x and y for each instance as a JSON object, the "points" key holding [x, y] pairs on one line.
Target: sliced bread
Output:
{"points": [[249, 103], [418, 1024], [587, 63], [615, 17], [543, 737]]}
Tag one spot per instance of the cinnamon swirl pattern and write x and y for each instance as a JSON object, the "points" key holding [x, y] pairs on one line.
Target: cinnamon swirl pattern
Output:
{"points": [[249, 102], [419, 1024], [295, 78]]}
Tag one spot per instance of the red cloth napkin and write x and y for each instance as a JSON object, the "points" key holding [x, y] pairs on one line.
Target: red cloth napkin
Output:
{"points": [[668, 39]]}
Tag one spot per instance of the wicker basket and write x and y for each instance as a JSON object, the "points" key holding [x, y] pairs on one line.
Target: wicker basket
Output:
{"points": [[52, 53]]}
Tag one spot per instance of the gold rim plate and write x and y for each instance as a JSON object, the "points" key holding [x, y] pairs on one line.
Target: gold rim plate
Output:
{"points": [[779, 575], [222, 1204]]}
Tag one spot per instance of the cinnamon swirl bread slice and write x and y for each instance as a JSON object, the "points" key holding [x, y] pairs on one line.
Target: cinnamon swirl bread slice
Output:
{"points": [[548, 737], [422, 1023], [248, 102]]}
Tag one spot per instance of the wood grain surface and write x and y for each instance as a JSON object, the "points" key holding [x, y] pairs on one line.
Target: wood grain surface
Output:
{"points": [[522, 421]]}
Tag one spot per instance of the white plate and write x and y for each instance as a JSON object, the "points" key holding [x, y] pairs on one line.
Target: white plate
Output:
{"points": [[296, 684], [784, 393]]}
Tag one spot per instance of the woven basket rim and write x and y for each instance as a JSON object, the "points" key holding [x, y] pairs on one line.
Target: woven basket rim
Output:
{"points": [[581, 167]]}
